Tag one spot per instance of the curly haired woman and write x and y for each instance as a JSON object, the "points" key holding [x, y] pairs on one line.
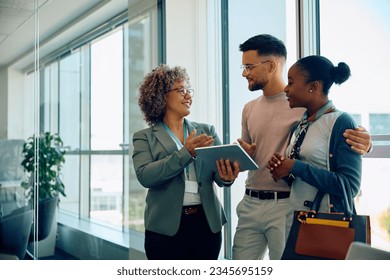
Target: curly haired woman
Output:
{"points": [[183, 217]]}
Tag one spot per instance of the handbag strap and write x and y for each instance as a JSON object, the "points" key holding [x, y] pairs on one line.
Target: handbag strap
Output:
{"points": [[315, 206]]}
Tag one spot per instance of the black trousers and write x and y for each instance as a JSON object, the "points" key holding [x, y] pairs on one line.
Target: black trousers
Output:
{"points": [[193, 241]]}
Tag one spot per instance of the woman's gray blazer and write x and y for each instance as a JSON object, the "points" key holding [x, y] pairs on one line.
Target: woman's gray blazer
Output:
{"points": [[159, 167]]}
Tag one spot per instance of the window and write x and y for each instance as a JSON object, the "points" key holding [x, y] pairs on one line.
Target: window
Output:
{"points": [[380, 123], [89, 98], [68, 118], [83, 93], [106, 135], [358, 32]]}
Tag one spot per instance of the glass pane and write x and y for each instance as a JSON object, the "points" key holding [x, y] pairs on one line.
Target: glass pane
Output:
{"points": [[69, 99], [374, 200], [69, 125], [106, 183], [380, 123], [106, 189], [71, 180], [362, 42], [107, 92], [45, 118]]}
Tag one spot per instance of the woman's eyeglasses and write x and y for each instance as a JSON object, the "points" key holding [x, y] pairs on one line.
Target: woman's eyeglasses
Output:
{"points": [[184, 91]]}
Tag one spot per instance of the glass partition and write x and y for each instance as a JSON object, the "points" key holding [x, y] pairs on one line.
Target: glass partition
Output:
{"points": [[78, 84], [142, 57], [20, 121]]}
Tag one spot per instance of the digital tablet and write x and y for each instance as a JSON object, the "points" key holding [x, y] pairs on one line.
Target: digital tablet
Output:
{"points": [[233, 152]]}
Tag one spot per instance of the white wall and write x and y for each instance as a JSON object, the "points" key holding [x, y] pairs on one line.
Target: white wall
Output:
{"points": [[20, 116], [14, 107]]}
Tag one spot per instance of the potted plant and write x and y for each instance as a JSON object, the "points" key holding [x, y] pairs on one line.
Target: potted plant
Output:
{"points": [[43, 161]]}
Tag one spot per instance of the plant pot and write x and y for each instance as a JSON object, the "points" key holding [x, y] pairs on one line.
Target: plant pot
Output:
{"points": [[46, 214]]}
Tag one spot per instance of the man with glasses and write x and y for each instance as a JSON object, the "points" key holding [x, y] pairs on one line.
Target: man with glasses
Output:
{"points": [[266, 123]]}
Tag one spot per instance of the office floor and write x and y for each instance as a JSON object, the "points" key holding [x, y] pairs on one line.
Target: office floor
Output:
{"points": [[58, 255]]}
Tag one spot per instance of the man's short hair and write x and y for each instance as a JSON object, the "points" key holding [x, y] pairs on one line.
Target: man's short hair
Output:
{"points": [[265, 44]]}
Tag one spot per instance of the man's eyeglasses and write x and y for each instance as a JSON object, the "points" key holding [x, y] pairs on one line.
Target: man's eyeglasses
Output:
{"points": [[248, 67], [184, 91]]}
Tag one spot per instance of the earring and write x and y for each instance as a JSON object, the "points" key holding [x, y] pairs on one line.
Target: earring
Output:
{"points": [[311, 90]]}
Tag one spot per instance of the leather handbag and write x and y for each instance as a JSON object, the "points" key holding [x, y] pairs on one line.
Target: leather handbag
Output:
{"points": [[319, 236]]}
